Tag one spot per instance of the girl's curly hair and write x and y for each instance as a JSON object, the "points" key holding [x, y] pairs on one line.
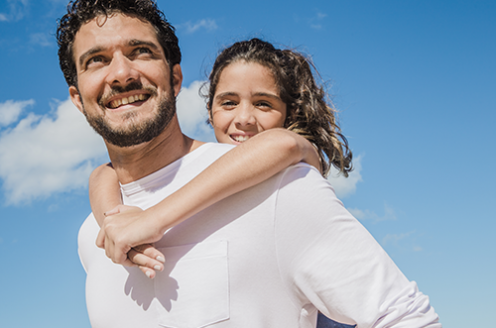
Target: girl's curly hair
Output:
{"points": [[309, 111]]}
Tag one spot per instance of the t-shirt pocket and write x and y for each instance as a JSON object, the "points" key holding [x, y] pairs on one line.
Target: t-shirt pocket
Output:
{"points": [[193, 289]]}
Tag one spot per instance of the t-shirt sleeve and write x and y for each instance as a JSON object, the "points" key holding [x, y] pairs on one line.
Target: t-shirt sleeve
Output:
{"points": [[330, 260]]}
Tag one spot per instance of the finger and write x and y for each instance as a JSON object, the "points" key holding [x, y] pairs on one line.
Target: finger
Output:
{"points": [[129, 263], [150, 251], [109, 247], [113, 211], [144, 261], [120, 254], [127, 208], [149, 273], [100, 239]]}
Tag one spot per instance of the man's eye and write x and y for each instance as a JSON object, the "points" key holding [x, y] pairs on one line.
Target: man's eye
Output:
{"points": [[143, 51], [94, 60]]}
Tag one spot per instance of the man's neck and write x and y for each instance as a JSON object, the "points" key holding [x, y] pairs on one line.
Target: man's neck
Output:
{"points": [[136, 162]]}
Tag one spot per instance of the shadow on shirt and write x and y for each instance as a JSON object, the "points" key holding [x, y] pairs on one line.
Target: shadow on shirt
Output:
{"points": [[324, 322]]}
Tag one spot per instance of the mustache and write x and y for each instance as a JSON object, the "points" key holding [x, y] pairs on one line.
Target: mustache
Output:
{"points": [[117, 89]]}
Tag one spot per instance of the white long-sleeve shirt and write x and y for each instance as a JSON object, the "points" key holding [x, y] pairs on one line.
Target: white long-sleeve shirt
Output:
{"points": [[270, 256]]}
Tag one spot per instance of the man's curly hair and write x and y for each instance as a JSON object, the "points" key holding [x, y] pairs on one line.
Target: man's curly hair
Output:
{"points": [[80, 12]]}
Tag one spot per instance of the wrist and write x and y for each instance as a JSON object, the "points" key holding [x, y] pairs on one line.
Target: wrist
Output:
{"points": [[159, 219]]}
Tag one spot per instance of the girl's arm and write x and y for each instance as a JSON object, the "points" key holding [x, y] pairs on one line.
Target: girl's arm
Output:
{"points": [[104, 190], [250, 163], [105, 199]]}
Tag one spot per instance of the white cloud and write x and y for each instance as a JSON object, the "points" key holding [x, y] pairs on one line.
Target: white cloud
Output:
{"points": [[46, 154], [402, 241], [40, 39], [389, 214], [192, 113], [315, 21], [395, 238], [207, 24], [10, 111], [17, 10], [346, 186]]}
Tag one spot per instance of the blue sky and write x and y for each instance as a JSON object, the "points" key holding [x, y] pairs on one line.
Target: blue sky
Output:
{"points": [[415, 84]]}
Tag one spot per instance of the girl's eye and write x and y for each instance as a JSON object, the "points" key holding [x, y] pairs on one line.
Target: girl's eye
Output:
{"points": [[228, 104], [264, 105]]}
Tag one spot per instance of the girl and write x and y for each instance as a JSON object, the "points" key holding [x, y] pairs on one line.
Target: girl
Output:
{"points": [[261, 98]]}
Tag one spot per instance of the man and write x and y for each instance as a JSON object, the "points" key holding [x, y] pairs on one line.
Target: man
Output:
{"points": [[270, 256]]}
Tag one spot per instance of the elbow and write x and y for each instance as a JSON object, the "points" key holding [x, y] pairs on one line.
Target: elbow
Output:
{"points": [[285, 143], [97, 173]]}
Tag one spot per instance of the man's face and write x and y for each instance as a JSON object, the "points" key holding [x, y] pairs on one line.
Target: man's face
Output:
{"points": [[124, 81]]}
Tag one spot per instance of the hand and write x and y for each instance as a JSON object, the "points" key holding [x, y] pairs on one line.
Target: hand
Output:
{"points": [[143, 256], [126, 227]]}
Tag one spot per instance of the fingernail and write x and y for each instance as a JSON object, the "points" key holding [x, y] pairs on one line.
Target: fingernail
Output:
{"points": [[148, 274], [160, 259], [158, 268]]}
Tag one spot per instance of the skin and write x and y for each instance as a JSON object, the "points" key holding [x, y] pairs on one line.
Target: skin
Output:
{"points": [[118, 59], [246, 102], [114, 52]]}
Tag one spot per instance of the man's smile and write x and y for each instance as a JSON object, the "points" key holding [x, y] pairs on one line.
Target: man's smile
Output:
{"points": [[124, 100]]}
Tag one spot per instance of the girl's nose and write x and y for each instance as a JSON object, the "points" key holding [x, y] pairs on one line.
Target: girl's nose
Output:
{"points": [[244, 115]]}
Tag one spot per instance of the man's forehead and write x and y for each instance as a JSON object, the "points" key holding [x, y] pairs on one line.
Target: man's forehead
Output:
{"points": [[116, 28]]}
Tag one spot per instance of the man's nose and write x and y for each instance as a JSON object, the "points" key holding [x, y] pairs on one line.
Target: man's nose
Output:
{"points": [[245, 115], [121, 71]]}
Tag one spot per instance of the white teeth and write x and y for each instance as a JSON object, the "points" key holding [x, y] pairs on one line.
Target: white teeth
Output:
{"points": [[124, 101], [241, 138]]}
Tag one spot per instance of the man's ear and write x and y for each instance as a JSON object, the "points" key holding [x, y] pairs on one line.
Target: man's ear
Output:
{"points": [[177, 78], [76, 98]]}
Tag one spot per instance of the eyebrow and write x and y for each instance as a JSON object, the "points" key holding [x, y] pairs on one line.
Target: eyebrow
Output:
{"points": [[88, 53], [256, 94], [225, 94], [132, 43], [135, 42], [270, 95]]}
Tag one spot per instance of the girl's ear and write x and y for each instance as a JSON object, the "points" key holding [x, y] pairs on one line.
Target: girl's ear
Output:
{"points": [[210, 118]]}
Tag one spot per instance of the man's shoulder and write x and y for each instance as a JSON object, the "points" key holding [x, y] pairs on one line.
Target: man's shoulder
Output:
{"points": [[209, 151], [213, 147], [303, 181], [206, 154], [302, 173]]}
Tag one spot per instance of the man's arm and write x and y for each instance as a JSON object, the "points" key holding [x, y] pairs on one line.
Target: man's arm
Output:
{"points": [[329, 259]]}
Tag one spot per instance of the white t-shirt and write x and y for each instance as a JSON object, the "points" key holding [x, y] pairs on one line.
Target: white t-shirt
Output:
{"points": [[269, 256]]}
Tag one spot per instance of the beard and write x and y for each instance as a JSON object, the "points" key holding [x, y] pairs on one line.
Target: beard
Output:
{"points": [[134, 132]]}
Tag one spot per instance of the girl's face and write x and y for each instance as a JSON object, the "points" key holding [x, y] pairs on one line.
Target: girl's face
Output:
{"points": [[246, 102]]}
